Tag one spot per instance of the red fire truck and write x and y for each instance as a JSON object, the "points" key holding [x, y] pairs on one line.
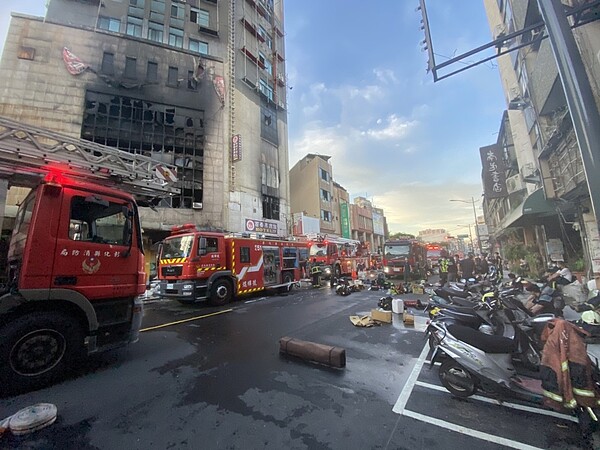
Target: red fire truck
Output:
{"points": [[405, 254], [195, 266], [434, 253], [75, 258], [339, 254]]}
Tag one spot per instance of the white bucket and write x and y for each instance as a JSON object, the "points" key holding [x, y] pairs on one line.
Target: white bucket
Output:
{"points": [[397, 306]]}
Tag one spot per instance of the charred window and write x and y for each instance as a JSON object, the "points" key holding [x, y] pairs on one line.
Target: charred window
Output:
{"points": [[270, 207], [108, 63], [165, 133], [130, 68], [172, 76], [152, 72]]}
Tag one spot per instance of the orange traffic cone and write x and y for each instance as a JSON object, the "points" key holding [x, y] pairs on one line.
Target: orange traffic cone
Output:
{"points": [[354, 276]]}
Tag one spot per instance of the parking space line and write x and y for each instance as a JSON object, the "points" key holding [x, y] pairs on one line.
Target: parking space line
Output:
{"points": [[412, 378], [189, 319], [468, 431], [526, 408]]}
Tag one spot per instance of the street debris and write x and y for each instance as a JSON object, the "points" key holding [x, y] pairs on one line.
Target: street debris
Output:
{"points": [[313, 352]]}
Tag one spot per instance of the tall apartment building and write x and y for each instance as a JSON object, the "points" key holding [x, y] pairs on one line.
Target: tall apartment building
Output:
{"points": [[196, 83], [312, 189], [548, 200]]}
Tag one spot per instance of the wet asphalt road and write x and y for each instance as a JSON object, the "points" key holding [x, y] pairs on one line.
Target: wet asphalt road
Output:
{"points": [[219, 382]]}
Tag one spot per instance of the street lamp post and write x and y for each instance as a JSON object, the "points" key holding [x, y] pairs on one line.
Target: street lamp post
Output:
{"points": [[472, 202]]}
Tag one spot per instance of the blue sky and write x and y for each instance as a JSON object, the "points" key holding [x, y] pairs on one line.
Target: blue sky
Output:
{"points": [[359, 92]]}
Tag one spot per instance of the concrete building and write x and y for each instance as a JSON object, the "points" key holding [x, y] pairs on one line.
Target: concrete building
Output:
{"points": [[433, 236], [548, 205], [312, 189], [315, 194], [197, 83]]}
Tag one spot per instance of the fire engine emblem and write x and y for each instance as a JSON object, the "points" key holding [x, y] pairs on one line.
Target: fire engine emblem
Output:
{"points": [[90, 265]]}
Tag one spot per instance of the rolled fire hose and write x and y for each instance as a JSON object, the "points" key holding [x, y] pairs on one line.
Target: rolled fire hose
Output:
{"points": [[30, 419]]}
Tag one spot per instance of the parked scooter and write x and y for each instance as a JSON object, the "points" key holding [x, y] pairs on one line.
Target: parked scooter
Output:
{"points": [[473, 361]]}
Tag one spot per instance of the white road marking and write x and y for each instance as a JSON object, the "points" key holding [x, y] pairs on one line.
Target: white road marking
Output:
{"points": [[469, 431], [400, 408], [493, 401], [412, 379]]}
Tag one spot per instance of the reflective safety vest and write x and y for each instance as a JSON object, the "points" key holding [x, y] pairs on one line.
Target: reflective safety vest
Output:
{"points": [[444, 265], [315, 270]]}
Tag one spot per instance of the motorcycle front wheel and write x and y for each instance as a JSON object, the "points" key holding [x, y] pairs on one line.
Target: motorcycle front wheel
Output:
{"points": [[456, 379]]}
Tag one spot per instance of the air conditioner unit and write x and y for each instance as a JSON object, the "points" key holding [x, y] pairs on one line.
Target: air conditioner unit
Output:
{"points": [[197, 205], [514, 183]]}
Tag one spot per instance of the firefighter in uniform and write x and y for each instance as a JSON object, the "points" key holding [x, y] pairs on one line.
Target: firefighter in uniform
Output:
{"points": [[315, 273]]}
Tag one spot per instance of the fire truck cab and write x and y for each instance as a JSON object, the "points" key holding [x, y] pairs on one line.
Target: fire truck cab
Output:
{"points": [[75, 258], [196, 266], [405, 257]]}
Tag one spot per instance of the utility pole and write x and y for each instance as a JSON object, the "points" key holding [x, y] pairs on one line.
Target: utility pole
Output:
{"points": [[472, 202]]}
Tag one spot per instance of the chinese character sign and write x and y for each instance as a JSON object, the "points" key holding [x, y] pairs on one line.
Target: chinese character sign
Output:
{"points": [[493, 173], [260, 226]]}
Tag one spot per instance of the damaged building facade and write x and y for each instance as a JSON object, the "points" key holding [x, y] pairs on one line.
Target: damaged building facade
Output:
{"points": [[199, 84]]}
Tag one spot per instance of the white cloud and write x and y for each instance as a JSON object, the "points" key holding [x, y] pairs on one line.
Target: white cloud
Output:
{"points": [[369, 92], [396, 128], [385, 76]]}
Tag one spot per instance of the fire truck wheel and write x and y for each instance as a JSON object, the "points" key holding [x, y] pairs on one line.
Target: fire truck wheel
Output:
{"points": [[221, 292], [288, 278], [36, 348]]}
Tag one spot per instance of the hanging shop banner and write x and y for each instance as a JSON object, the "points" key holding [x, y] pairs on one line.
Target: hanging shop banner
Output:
{"points": [[260, 226], [236, 147], [75, 66], [493, 174], [344, 220]]}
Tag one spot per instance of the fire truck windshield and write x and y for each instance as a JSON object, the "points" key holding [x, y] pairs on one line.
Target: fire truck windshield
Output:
{"points": [[397, 250], [318, 250], [177, 247]]}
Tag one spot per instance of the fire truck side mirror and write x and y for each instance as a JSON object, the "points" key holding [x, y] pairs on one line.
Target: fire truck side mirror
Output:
{"points": [[202, 246]]}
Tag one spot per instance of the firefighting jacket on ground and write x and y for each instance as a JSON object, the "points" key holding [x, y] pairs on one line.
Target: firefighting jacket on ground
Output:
{"points": [[566, 369]]}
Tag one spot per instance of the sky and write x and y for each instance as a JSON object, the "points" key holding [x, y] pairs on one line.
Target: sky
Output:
{"points": [[360, 93]]}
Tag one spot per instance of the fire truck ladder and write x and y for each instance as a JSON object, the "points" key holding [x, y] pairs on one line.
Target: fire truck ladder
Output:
{"points": [[28, 152]]}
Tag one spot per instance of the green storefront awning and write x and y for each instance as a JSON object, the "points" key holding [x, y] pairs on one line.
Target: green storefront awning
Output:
{"points": [[530, 211]]}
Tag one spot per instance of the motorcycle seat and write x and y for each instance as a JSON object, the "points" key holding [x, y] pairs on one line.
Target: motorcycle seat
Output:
{"points": [[458, 308], [464, 302], [455, 293], [468, 318], [485, 342]]}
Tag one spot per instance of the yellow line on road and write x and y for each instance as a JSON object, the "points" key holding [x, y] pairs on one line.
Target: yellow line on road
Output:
{"points": [[186, 320]]}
